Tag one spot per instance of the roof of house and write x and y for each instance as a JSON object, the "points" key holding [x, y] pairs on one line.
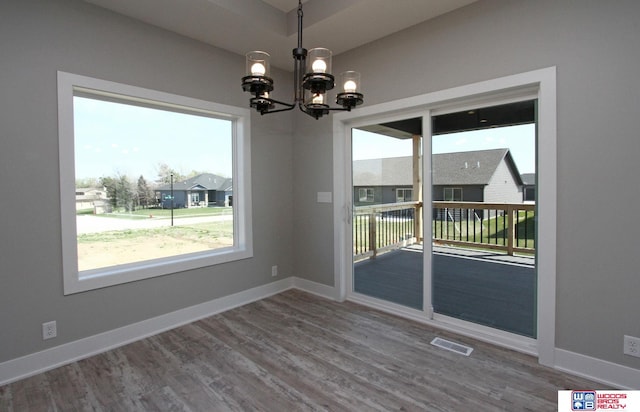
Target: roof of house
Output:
{"points": [[204, 181], [528, 179], [460, 168], [470, 168]]}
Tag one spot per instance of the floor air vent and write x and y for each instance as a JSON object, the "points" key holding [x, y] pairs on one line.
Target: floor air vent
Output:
{"points": [[452, 346]]}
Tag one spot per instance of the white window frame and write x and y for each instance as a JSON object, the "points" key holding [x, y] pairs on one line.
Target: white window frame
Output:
{"points": [[403, 198], [453, 194], [366, 197], [75, 281]]}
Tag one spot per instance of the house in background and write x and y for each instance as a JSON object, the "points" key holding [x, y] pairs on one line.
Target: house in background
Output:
{"points": [[475, 176], [92, 199], [206, 189], [529, 187], [387, 180], [489, 176]]}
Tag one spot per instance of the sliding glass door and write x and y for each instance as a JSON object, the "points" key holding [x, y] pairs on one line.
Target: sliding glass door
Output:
{"points": [[479, 229], [479, 221], [484, 216], [387, 210]]}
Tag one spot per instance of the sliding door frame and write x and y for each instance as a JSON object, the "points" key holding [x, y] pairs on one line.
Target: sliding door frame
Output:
{"points": [[537, 84]]}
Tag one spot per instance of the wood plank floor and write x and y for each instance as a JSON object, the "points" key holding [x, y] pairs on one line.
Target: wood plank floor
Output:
{"points": [[295, 352]]}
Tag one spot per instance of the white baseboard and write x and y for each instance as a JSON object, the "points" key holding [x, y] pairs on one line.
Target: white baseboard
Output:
{"points": [[29, 365], [328, 292], [608, 373]]}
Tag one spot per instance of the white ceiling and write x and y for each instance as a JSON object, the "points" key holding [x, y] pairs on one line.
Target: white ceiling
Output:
{"points": [[271, 25], [284, 5]]}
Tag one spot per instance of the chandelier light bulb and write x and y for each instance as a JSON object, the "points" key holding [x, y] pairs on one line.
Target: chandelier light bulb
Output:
{"points": [[258, 69], [318, 99], [350, 86], [319, 66]]}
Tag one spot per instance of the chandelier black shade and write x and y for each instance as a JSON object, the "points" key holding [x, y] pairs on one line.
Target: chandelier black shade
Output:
{"points": [[312, 79]]}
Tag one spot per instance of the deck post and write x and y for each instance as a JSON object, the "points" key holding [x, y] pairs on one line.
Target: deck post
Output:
{"points": [[372, 235], [417, 185], [511, 231]]}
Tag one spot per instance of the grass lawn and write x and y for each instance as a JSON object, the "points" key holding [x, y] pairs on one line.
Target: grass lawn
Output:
{"points": [[177, 213], [490, 231]]}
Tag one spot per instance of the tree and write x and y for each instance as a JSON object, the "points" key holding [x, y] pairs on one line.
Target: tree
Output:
{"points": [[125, 193], [88, 182], [165, 172], [194, 173], [144, 193], [119, 191], [109, 184]]}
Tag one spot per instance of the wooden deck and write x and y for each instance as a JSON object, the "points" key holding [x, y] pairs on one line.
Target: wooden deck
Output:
{"points": [[490, 289], [296, 352]]}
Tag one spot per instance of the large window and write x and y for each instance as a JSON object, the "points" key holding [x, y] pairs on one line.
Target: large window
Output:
{"points": [[151, 183]]}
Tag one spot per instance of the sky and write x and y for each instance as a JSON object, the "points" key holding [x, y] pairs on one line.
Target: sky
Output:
{"points": [[520, 140], [119, 139]]}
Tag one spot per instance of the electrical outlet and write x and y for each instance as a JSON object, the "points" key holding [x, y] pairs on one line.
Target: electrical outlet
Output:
{"points": [[274, 271], [49, 330], [631, 346]]}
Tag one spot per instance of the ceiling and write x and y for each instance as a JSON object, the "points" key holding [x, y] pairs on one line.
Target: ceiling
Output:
{"points": [[503, 115], [284, 5], [271, 25]]}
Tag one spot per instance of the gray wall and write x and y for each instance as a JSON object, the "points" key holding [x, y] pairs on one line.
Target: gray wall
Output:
{"points": [[594, 45], [38, 38]]}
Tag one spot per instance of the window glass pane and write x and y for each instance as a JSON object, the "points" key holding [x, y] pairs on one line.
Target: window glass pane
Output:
{"points": [[150, 182], [448, 194], [404, 195], [366, 195], [452, 194]]}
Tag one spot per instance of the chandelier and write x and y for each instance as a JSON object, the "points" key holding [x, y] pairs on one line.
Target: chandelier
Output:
{"points": [[312, 79]]}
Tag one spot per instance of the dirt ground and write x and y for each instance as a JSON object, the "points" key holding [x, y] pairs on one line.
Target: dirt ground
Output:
{"points": [[103, 254]]}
